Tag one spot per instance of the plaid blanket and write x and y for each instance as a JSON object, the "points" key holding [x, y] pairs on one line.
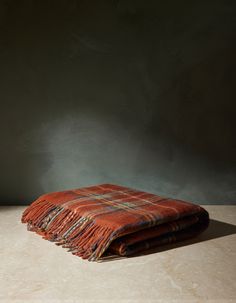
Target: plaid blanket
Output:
{"points": [[92, 221]]}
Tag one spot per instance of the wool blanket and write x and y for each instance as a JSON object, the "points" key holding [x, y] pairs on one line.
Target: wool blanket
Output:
{"points": [[95, 220]]}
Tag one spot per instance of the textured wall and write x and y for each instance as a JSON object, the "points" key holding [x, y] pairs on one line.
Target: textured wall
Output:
{"points": [[138, 93]]}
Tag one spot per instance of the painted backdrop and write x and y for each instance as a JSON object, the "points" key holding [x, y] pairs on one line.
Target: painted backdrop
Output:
{"points": [[138, 93]]}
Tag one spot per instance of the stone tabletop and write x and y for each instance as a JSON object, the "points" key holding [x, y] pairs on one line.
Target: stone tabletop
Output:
{"points": [[199, 270]]}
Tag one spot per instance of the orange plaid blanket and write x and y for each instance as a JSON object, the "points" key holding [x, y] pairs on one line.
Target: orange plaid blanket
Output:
{"points": [[92, 221]]}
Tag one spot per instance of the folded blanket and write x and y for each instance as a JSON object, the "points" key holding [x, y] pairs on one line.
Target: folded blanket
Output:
{"points": [[92, 221]]}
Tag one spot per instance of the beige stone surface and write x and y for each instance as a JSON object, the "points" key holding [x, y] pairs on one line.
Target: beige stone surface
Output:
{"points": [[200, 270]]}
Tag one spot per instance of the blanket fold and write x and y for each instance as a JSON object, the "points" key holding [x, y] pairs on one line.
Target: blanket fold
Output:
{"points": [[92, 221]]}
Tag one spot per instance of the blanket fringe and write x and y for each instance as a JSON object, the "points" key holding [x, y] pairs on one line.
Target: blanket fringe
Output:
{"points": [[81, 235]]}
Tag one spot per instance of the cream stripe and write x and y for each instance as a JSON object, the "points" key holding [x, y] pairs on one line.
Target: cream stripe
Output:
{"points": [[151, 202]]}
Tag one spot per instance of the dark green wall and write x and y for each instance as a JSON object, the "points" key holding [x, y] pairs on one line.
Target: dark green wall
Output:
{"points": [[138, 93]]}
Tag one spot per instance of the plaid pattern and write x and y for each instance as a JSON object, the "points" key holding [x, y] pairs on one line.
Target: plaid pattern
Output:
{"points": [[96, 219]]}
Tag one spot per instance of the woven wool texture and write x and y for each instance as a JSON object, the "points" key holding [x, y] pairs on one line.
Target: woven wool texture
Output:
{"points": [[96, 220]]}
